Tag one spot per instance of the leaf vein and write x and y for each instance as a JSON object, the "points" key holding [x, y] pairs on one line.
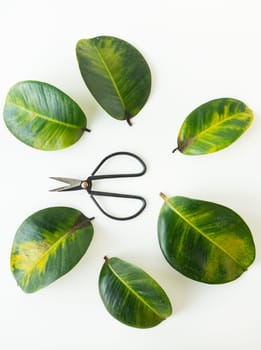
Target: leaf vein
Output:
{"points": [[42, 116], [203, 234], [133, 292], [214, 126], [49, 251], [111, 77]]}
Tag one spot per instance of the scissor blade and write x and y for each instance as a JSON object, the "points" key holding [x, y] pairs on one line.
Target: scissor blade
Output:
{"points": [[73, 184]]}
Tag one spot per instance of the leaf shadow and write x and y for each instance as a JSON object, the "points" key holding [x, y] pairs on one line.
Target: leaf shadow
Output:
{"points": [[180, 290], [89, 107], [85, 101], [99, 243]]}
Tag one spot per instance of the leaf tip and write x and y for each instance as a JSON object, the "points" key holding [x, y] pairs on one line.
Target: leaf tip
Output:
{"points": [[175, 149], [106, 259]]}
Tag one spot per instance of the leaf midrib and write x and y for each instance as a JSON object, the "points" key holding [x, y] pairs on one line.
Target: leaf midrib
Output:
{"points": [[42, 116], [111, 77], [203, 234], [133, 291], [198, 136], [49, 251]]}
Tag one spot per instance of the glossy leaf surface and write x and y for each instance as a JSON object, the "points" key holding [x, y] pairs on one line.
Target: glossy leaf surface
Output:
{"points": [[131, 295], [116, 74], [204, 241], [42, 116], [213, 126], [47, 245]]}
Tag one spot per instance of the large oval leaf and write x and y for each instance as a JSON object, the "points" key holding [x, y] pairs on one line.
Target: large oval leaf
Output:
{"points": [[47, 245], [204, 241], [131, 295], [116, 74], [213, 126], [42, 116]]}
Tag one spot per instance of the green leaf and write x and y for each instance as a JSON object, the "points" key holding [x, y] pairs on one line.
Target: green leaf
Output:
{"points": [[204, 241], [42, 116], [213, 126], [116, 74], [131, 295], [47, 245]]}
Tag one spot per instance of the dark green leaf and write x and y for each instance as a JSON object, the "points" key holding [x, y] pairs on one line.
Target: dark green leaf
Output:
{"points": [[204, 241], [42, 116], [116, 74], [131, 295], [213, 126], [47, 245]]}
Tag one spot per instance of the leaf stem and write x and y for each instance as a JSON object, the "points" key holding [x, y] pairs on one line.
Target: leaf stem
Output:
{"points": [[128, 118], [106, 259], [163, 196], [175, 149], [86, 129]]}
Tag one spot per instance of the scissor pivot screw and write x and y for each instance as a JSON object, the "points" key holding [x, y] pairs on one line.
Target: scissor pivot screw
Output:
{"points": [[84, 184]]}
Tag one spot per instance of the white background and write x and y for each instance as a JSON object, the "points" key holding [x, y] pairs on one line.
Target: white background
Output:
{"points": [[197, 51]]}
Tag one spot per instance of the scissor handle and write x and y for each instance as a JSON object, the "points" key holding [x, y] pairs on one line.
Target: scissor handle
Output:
{"points": [[114, 176], [118, 195]]}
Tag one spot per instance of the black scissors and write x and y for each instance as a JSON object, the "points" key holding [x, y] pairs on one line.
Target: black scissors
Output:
{"points": [[75, 185]]}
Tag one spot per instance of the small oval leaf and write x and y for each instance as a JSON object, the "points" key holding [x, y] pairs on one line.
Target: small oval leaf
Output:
{"points": [[42, 116], [47, 245], [131, 295], [213, 126], [116, 74], [204, 241]]}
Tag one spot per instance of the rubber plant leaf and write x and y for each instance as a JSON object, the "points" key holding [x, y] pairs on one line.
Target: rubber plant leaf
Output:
{"points": [[116, 74], [131, 295], [47, 245], [42, 116], [213, 126], [204, 241]]}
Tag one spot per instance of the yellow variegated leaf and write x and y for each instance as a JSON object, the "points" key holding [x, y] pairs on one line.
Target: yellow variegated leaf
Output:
{"points": [[131, 295], [213, 126], [203, 240], [116, 74], [42, 116], [47, 245]]}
